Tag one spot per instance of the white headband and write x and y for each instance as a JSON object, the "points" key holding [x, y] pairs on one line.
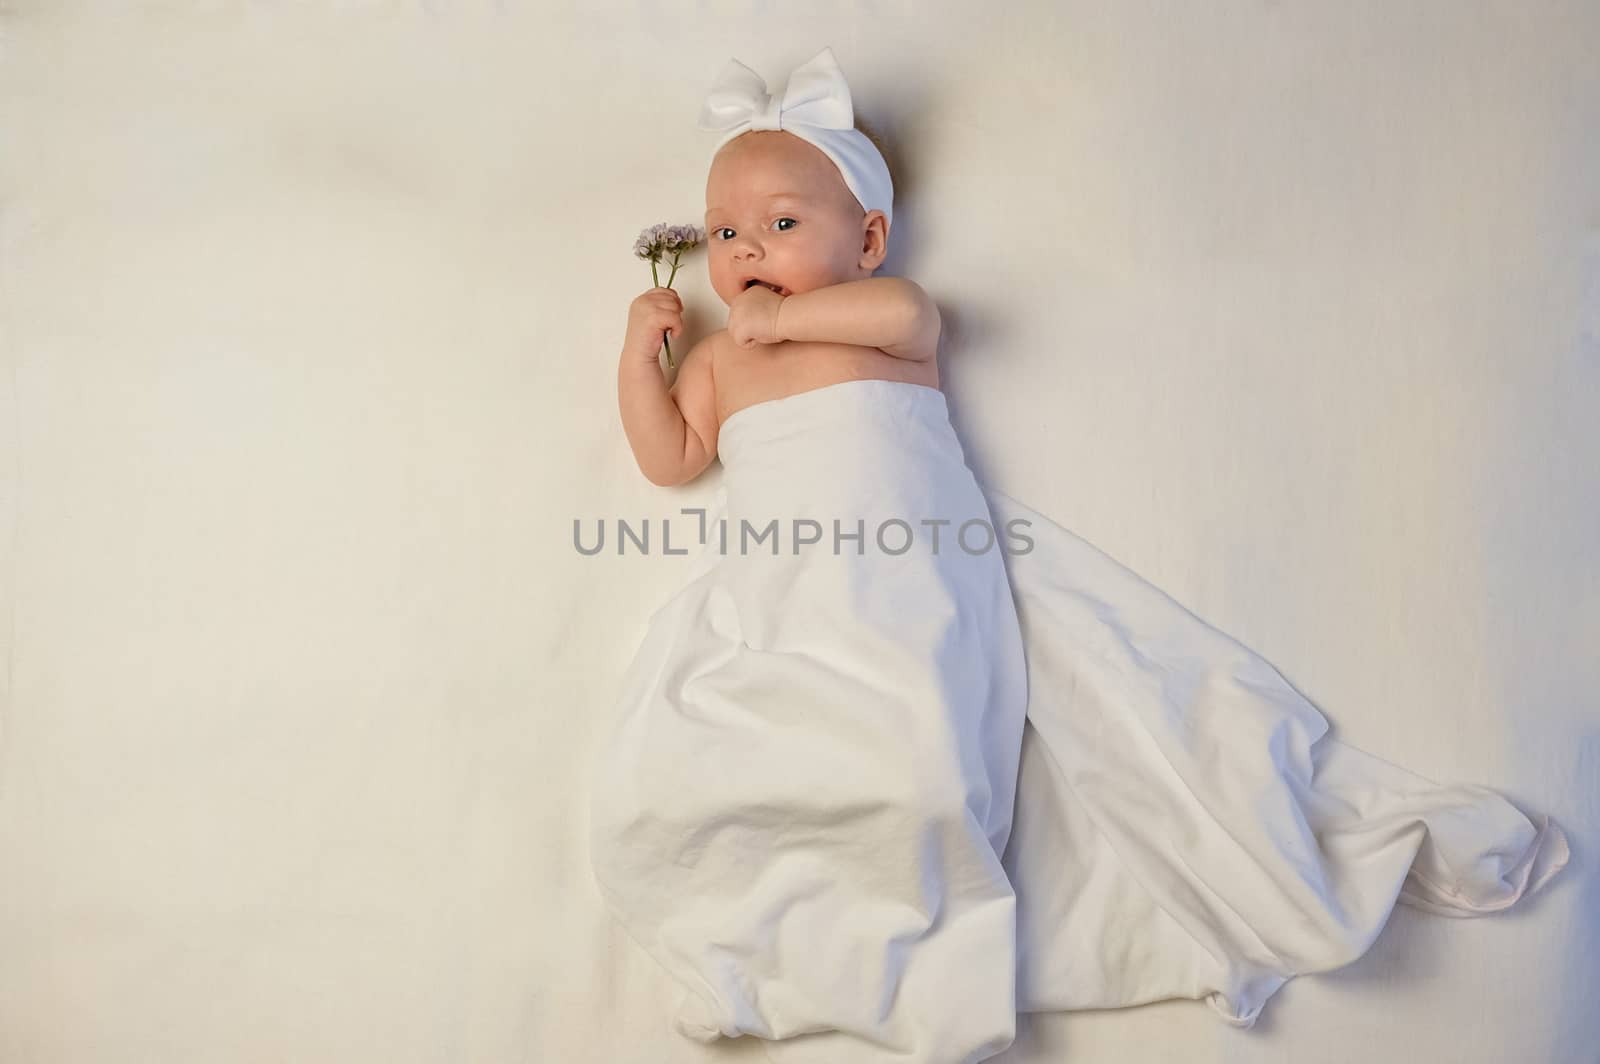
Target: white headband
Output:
{"points": [[815, 107]]}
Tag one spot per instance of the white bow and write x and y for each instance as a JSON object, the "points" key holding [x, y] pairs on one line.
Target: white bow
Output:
{"points": [[817, 95], [815, 107]]}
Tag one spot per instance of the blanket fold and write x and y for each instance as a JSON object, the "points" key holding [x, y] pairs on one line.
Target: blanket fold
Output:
{"points": [[805, 813]]}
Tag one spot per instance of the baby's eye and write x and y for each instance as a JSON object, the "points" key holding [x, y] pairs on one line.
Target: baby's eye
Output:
{"points": [[726, 229]]}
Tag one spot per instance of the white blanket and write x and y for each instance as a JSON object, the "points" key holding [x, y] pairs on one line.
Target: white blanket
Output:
{"points": [[806, 812]]}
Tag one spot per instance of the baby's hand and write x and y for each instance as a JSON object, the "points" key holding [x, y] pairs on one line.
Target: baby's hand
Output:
{"points": [[753, 316], [653, 314]]}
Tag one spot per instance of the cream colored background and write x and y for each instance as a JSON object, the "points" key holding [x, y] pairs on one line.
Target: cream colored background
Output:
{"points": [[310, 316]]}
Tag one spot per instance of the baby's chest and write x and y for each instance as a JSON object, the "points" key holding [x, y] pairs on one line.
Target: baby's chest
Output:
{"points": [[772, 371]]}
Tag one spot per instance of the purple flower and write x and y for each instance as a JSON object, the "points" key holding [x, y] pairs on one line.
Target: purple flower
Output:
{"points": [[660, 240], [663, 239]]}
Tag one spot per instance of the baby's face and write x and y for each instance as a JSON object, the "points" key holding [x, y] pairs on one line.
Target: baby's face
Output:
{"points": [[778, 209]]}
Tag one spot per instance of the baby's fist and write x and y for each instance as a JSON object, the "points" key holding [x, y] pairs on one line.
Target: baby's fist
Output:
{"points": [[753, 316], [653, 315]]}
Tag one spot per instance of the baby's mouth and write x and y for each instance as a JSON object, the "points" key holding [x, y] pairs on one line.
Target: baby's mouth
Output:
{"points": [[757, 281]]}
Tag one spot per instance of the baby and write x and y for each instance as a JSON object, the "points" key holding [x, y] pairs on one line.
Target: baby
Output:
{"points": [[792, 252], [805, 812]]}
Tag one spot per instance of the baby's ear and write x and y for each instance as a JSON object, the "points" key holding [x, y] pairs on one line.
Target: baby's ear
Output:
{"points": [[875, 237]]}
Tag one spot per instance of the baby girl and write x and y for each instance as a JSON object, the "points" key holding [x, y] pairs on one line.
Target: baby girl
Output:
{"points": [[792, 251], [801, 810], [820, 809]]}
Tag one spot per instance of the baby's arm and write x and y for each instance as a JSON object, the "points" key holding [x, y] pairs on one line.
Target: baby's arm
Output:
{"points": [[892, 314], [673, 432]]}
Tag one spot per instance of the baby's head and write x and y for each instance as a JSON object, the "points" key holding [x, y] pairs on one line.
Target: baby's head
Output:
{"points": [[778, 209]]}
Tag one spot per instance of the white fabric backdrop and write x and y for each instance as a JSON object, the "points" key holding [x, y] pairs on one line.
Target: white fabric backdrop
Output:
{"points": [[310, 316]]}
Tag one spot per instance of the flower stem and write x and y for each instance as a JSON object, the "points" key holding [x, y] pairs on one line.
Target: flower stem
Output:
{"points": [[657, 279]]}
